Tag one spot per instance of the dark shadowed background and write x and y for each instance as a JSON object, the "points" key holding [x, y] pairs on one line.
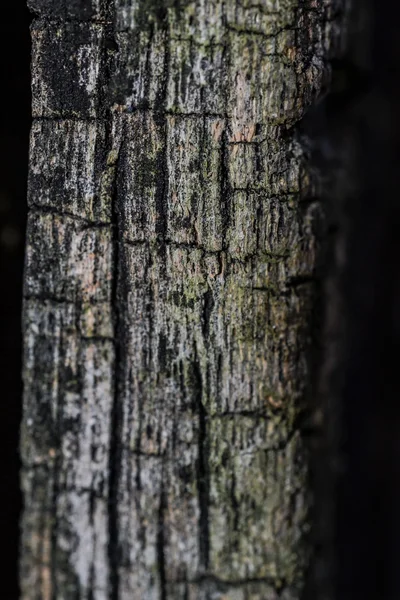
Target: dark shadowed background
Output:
{"points": [[14, 137], [368, 494]]}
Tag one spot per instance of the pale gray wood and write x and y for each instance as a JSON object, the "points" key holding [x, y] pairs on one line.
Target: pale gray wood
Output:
{"points": [[169, 285]]}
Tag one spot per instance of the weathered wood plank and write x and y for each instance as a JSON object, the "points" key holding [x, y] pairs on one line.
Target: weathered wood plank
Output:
{"points": [[172, 245]]}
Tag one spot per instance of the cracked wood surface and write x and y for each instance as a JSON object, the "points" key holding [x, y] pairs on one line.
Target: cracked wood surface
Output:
{"points": [[173, 239]]}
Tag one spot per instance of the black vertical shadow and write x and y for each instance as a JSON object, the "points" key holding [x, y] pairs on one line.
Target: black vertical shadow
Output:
{"points": [[368, 492], [15, 122]]}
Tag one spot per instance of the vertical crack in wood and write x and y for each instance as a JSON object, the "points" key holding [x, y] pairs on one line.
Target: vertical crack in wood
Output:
{"points": [[116, 414], [203, 468], [225, 191], [161, 541], [159, 114]]}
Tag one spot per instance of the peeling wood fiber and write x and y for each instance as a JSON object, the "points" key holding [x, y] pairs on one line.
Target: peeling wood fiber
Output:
{"points": [[173, 236]]}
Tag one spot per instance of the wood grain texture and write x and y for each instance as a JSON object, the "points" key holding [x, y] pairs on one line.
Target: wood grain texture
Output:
{"points": [[172, 245]]}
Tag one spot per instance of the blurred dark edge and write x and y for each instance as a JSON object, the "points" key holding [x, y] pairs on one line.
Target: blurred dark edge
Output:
{"points": [[358, 489], [14, 138], [368, 492], [356, 457]]}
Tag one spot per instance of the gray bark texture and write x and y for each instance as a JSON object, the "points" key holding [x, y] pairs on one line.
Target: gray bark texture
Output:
{"points": [[173, 235]]}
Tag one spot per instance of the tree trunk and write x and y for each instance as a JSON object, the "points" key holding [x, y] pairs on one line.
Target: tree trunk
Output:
{"points": [[173, 235]]}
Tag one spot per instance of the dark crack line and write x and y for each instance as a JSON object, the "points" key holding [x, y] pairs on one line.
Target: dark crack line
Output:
{"points": [[116, 416], [202, 468]]}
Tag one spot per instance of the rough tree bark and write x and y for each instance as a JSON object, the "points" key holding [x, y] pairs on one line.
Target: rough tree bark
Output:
{"points": [[169, 284]]}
